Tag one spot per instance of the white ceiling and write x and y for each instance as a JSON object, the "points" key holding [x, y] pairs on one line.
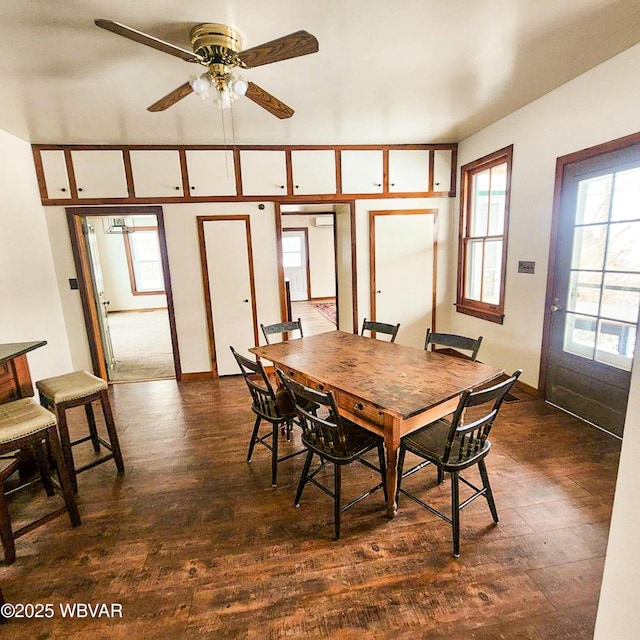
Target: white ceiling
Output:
{"points": [[387, 72]]}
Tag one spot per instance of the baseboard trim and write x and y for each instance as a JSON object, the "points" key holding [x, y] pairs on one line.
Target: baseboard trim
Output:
{"points": [[137, 310], [528, 389], [197, 375]]}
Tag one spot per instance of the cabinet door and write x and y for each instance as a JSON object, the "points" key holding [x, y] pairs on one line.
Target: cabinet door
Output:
{"points": [[100, 174], [442, 170], [54, 169], [314, 171], [264, 173], [361, 171], [156, 173], [211, 173], [408, 171]]}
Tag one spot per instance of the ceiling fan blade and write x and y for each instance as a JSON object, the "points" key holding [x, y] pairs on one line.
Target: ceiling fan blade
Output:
{"points": [[268, 102], [295, 44], [150, 41], [171, 98]]}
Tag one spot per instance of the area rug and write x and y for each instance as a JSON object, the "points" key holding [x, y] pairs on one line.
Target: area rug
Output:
{"points": [[327, 309], [141, 346]]}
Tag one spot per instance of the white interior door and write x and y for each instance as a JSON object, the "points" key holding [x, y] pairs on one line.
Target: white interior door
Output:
{"points": [[100, 296], [294, 259], [230, 289], [404, 274]]}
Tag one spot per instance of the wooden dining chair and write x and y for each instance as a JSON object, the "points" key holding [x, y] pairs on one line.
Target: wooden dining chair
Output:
{"points": [[269, 408], [282, 328], [380, 327], [333, 439], [454, 446], [453, 342]]}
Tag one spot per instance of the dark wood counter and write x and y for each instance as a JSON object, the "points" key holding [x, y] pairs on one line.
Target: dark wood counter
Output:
{"points": [[15, 378]]}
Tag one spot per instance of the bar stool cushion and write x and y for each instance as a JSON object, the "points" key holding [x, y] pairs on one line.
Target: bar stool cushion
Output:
{"points": [[70, 386], [21, 418]]}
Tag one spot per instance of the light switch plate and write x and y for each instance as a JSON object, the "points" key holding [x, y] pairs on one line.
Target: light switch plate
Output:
{"points": [[525, 266]]}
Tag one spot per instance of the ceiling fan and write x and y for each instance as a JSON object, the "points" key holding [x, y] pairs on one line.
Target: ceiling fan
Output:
{"points": [[218, 48]]}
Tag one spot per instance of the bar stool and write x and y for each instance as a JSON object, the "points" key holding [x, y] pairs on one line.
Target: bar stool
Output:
{"points": [[23, 423], [81, 388]]}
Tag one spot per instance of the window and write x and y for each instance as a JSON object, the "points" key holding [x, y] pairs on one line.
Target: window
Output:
{"points": [[145, 266], [482, 254], [292, 251]]}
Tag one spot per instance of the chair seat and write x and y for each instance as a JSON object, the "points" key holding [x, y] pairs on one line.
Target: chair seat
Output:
{"points": [[356, 442], [430, 443], [70, 386], [21, 418]]}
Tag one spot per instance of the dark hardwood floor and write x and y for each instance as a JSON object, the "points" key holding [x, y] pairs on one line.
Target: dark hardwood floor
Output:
{"points": [[193, 542]]}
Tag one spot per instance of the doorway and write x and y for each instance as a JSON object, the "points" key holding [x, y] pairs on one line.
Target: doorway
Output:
{"points": [[593, 289], [317, 265], [123, 278]]}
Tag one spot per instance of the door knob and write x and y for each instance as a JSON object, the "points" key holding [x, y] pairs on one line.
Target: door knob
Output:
{"points": [[556, 307]]}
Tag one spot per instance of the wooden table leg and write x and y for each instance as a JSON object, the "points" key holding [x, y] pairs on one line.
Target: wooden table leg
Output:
{"points": [[392, 444]]}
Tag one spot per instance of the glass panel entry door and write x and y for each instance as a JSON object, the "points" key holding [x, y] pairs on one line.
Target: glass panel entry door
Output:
{"points": [[604, 283], [596, 288]]}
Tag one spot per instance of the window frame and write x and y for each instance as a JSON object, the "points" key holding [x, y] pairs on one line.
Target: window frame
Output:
{"points": [[476, 308], [132, 274]]}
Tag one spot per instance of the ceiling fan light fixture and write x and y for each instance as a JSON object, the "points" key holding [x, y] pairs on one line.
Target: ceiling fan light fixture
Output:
{"points": [[239, 86], [201, 84]]}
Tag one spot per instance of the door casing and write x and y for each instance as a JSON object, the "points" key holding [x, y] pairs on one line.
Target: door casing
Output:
{"points": [[85, 278], [562, 165]]}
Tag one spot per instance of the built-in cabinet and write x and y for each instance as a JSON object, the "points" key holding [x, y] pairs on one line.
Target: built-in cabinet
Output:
{"points": [[150, 174], [156, 173], [211, 172], [441, 170], [408, 170], [314, 171], [99, 174], [362, 171], [264, 173], [54, 168]]}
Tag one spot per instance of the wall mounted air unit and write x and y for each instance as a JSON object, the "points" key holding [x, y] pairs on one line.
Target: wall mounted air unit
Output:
{"points": [[324, 221], [118, 225]]}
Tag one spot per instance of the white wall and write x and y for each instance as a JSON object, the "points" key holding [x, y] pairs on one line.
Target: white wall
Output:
{"points": [[321, 254], [31, 308], [601, 105], [620, 592], [186, 276]]}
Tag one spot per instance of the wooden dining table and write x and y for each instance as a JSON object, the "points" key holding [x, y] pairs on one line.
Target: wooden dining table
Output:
{"points": [[387, 388]]}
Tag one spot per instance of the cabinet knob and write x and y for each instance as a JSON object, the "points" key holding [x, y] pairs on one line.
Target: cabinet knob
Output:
{"points": [[281, 186], [245, 301], [377, 184], [358, 406], [63, 189], [437, 184], [79, 188], [177, 188], [392, 184], [192, 187], [320, 387], [297, 187]]}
